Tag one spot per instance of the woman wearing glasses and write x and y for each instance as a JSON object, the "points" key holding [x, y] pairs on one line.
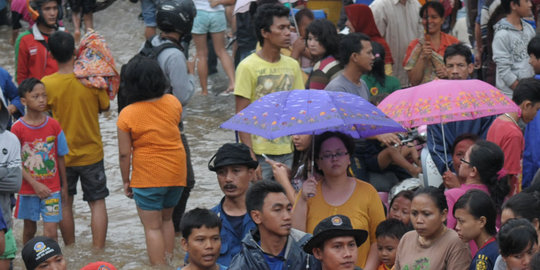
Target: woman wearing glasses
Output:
{"points": [[480, 168], [335, 192]]}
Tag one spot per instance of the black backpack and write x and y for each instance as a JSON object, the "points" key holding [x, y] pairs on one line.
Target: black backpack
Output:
{"points": [[147, 51]]}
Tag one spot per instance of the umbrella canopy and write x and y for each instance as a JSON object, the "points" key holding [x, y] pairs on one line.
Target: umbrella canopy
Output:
{"points": [[443, 101], [311, 112]]}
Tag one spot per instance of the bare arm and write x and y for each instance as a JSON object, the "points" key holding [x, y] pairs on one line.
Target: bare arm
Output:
{"points": [[124, 152], [242, 103], [63, 178], [373, 258], [300, 210], [282, 176], [41, 190], [417, 72], [299, 213]]}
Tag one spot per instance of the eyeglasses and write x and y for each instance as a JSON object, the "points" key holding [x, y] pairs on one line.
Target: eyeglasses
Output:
{"points": [[464, 161], [332, 156]]}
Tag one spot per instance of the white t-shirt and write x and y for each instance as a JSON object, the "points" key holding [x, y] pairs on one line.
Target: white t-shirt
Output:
{"points": [[205, 5]]}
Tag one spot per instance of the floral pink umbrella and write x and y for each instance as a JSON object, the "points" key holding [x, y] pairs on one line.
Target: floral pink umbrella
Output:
{"points": [[443, 101]]}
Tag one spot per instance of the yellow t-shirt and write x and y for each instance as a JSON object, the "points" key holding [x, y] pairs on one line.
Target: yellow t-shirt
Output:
{"points": [[256, 78], [76, 107], [364, 208]]}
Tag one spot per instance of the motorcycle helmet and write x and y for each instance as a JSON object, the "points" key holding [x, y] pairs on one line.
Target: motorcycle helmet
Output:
{"points": [[176, 16], [34, 8]]}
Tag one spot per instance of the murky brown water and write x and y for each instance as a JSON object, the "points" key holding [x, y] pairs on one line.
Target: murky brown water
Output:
{"points": [[125, 246]]}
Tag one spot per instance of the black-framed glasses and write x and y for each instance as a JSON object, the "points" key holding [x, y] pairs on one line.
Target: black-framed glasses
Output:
{"points": [[332, 156], [464, 161]]}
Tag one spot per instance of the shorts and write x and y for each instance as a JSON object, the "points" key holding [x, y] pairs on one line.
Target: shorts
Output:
{"points": [[209, 22], [31, 207], [93, 181], [148, 8], [10, 249], [86, 6], [157, 198]]}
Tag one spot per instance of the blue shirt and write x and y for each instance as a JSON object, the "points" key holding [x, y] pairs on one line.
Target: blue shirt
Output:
{"points": [[275, 262], [531, 155], [485, 258]]}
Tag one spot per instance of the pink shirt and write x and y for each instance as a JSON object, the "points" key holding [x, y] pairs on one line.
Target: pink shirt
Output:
{"points": [[19, 6], [452, 195]]}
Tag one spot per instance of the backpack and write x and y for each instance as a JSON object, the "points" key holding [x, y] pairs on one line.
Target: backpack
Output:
{"points": [[149, 51]]}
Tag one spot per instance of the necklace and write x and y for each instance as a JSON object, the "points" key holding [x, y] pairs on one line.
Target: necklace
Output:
{"points": [[511, 118]]}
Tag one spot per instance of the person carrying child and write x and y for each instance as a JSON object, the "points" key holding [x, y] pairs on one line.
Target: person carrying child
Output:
{"points": [[43, 147]]}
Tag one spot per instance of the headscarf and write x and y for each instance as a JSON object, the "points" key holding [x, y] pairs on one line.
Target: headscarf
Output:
{"points": [[363, 21]]}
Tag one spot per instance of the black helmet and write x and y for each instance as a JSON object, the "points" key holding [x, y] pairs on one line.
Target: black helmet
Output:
{"points": [[176, 16], [34, 8]]}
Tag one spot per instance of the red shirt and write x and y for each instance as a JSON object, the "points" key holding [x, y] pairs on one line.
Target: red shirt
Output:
{"points": [[508, 136], [40, 146]]}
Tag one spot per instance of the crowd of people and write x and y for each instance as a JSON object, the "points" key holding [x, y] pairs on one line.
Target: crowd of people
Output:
{"points": [[295, 202]]}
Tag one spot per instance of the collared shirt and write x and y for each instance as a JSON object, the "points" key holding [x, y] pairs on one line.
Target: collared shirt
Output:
{"points": [[399, 25]]}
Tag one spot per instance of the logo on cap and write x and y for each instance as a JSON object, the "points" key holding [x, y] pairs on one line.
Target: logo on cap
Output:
{"points": [[336, 221], [39, 246]]}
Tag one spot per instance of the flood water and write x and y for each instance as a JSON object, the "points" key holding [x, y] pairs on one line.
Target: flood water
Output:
{"points": [[125, 247]]}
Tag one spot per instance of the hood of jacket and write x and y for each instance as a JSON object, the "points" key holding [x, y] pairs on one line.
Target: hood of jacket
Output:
{"points": [[503, 24]]}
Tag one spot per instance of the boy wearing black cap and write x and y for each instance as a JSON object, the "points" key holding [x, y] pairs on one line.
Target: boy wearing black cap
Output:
{"points": [[235, 169], [335, 243], [43, 253]]}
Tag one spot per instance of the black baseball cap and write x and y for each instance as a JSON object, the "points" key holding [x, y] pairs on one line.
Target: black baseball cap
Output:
{"points": [[232, 154], [38, 250], [331, 227]]}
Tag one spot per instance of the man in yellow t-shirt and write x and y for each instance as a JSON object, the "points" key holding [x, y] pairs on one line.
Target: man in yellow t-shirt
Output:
{"points": [[76, 107], [264, 72]]}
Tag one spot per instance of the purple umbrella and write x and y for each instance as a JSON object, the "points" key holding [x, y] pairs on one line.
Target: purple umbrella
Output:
{"points": [[311, 112]]}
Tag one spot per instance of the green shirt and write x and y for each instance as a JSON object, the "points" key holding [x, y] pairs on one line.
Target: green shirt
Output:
{"points": [[391, 84]]}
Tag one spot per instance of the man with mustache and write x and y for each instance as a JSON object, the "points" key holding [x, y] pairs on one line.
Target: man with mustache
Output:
{"points": [[234, 168]]}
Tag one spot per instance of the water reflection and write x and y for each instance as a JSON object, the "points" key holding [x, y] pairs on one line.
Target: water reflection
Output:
{"points": [[125, 246]]}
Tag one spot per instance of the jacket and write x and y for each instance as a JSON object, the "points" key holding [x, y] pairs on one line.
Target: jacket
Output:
{"points": [[10, 154], [510, 54], [173, 63], [10, 92], [531, 155], [231, 242], [32, 57], [251, 256]]}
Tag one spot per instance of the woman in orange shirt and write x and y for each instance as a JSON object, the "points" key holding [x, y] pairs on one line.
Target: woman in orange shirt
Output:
{"points": [[148, 136], [424, 59]]}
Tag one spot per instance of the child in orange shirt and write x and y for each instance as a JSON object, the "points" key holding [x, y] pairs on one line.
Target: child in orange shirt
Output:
{"points": [[388, 234]]}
